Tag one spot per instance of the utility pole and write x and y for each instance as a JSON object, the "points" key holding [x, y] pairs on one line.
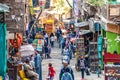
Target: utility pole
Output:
{"points": [[35, 22], [71, 10]]}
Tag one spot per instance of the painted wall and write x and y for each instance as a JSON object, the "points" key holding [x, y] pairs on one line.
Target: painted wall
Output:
{"points": [[112, 44]]}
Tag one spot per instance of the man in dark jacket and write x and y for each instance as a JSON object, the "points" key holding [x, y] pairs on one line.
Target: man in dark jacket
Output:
{"points": [[66, 68]]}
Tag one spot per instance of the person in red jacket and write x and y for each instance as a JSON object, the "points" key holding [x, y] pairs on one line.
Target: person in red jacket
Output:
{"points": [[51, 72]]}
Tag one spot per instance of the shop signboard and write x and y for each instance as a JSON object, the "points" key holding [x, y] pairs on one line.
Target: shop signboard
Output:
{"points": [[10, 35], [114, 11], [113, 28]]}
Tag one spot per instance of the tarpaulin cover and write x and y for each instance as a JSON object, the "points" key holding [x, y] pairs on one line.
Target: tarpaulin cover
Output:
{"points": [[3, 50], [26, 50]]}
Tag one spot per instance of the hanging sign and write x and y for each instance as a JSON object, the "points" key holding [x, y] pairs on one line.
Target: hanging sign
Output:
{"points": [[42, 3], [114, 11]]}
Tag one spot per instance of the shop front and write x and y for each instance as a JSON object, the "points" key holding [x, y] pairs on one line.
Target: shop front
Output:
{"points": [[113, 38], [3, 41], [81, 26]]}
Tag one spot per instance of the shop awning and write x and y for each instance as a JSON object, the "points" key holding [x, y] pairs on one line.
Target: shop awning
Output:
{"points": [[81, 24], [71, 21], [83, 32], [4, 8]]}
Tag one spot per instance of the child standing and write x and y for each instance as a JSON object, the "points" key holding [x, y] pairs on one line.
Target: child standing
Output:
{"points": [[82, 65], [51, 72]]}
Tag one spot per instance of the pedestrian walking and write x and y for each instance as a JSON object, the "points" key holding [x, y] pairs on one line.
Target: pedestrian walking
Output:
{"points": [[46, 51], [49, 51], [74, 49], [60, 39], [51, 71], [52, 39], [82, 65], [66, 52], [66, 72], [58, 33], [63, 42], [38, 66], [46, 37]]}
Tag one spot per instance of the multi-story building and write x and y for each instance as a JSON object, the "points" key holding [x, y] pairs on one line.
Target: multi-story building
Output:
{"points": [[108, 16], [18, 16]]}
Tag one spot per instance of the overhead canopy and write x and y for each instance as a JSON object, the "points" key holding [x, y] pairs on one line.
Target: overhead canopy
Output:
{"points": [[4, 8], [71, 21], [81, 24], [83, 32]]}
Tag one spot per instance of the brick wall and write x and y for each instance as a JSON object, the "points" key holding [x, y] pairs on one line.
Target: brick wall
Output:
{"points": [[20, 9]]}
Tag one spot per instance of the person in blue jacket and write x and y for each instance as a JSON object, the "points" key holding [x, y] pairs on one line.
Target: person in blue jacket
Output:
{"points": [[38, 65], [66, 68]]}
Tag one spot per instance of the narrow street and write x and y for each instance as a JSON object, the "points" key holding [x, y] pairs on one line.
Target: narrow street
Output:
{"points": [[56, 61], [88, 28]]}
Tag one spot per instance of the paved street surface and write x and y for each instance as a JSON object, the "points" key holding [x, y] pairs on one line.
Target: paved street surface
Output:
{"points": [[56, 61]]}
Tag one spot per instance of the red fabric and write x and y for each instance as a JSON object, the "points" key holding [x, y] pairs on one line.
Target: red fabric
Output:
{"points": [[110, 57], [16, 42], [51, 71]]}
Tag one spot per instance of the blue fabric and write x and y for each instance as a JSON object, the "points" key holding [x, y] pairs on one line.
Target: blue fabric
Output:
{"points": [[38, 66], [30, 41], [100, 40], [99, 47], [63, 70], [63, 43], [97, 26], [3, 50], [34, 2], [82, 73], [52, 43], [72, 21], [66, 76]]}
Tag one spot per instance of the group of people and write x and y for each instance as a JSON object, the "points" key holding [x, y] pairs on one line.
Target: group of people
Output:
{"points": [[68, 51], [33, 67]]}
